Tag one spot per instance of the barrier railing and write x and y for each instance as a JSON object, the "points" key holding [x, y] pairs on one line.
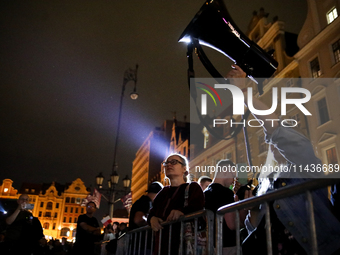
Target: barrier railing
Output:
{"points": [[288, 191], [141, 241]]}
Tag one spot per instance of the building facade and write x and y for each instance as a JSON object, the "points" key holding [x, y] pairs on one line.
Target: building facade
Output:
{"points": [[56, 206]]}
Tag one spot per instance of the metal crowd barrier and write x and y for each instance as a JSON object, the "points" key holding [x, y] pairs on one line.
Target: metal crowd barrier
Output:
{"points": [[305, 187], [288, 191], [134, 238]]}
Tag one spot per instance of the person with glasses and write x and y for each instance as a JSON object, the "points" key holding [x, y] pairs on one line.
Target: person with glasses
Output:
{"points": [[88, 231], [169, 204]]}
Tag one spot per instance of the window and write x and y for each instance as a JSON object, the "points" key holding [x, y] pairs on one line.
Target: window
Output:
{"points": [[46, 225], [76, 210], [336, 51], [55, 215], [26, 190], [65, 208], [78, 200], [57, 205], [71, 210], [82, 210], [41, 204], [315, 68], [64, 231], [332, 159], [206, 137], [47, 214], [49, 206], [70, 220], [323, 111], [40, 214], [53, 226], [67, 200], [32, 190], [75, 220], [64, 219], [73, 200], [332, 15]]}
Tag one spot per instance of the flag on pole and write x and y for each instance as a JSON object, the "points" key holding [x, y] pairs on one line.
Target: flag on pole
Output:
{"points": [[106, 221], [127, 201], [95, 197]]}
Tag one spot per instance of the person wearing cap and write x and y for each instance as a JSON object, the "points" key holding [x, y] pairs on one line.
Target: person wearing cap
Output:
{"points": [[140, 209]]}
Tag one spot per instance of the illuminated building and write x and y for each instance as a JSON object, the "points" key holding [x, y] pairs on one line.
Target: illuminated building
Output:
{"points": [[172, 136], [56, 206]]}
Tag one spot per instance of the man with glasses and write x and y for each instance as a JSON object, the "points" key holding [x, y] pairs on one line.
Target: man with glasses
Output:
{"points": [[88, 231]]}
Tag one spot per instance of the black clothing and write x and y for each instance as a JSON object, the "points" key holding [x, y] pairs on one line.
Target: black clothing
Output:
{"points": [[143, 204], [84, 240], [26, 230], [216, 196]]}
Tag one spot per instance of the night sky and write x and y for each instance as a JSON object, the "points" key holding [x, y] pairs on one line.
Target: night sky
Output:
{"points": [[61, 72]]}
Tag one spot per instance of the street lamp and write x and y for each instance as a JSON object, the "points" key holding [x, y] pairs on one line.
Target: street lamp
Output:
{"points": [[129, 75]]}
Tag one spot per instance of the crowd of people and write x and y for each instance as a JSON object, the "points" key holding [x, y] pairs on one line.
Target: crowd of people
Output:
{"points": [[288, 216]]}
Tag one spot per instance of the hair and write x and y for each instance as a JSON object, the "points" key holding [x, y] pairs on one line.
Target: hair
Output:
{"points": [[95, 206], [185, 162], [223, 162], [204, 179]]}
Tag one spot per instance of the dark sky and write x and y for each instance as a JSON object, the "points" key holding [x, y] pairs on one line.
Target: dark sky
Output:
{"points": [[61, 71]]}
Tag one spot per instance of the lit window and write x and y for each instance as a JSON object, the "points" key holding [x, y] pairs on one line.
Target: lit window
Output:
{"points": [[332, 15], [336, 51], [206, 137], [315, 68], [49, 206], [331, 156], [5, 190], [323, 111], [46, 225]]}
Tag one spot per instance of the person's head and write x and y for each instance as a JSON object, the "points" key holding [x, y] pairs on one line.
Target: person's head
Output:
{"points": [[115, 226], [204, 181], [122, 226], [153, 189], [91, 208], [176, 167], [225, 172], [23, 198]]}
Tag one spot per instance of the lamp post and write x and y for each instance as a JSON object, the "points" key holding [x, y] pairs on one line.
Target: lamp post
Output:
{"points": [[129, 75]]}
